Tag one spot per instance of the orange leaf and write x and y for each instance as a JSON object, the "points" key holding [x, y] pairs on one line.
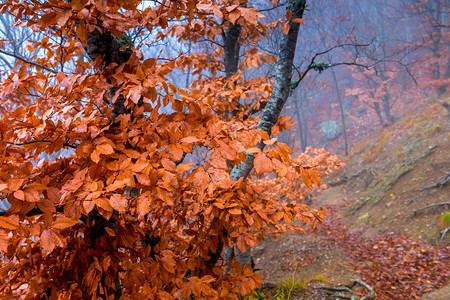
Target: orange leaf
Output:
{"points": [[31, 195], [8, 223], [235, 211], [185, 167], [233, 16], [104, 149], [82, 32], [64, 223], [253, 150], [249, 14], [95, 156], [262, 163], [139, 73], [242, 245], [285, 28], [143, 205], [190, 139], [310, 177], [110, 231], [298, 20], [63, 17], [169, 165], [103, 203], [270, 142], [249, 219], [204, 6], [118, 202], [168, 261], [140, 165], [19, 195], [88, 206], [289, 14], [50, 239], [77, 5]]}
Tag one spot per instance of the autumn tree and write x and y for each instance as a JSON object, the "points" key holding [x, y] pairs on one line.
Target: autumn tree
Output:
{"points": [[432, 16], [125, 214]]}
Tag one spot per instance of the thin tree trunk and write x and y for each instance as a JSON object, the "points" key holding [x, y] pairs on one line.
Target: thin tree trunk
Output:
{"points": [[386, 98], [344, 130], [188, 76], [378, 110], [302, 131]]}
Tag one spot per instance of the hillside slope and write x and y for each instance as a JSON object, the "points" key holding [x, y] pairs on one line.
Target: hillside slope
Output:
{"points": [[386, 224]]}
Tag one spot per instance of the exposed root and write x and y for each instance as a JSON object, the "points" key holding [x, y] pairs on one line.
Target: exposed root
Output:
{"points": [[444, 233], [345, 178], [428, 206], [348, 289], [443, 181]]}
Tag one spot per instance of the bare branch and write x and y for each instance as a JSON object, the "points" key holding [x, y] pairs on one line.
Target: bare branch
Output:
{"points": [[28, 62]]}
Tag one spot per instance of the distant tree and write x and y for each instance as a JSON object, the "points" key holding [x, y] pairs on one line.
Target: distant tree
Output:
{"points": [[434, 24]]}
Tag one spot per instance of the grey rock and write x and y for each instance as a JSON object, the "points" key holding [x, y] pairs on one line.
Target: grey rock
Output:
{"points": [[330, 129]]}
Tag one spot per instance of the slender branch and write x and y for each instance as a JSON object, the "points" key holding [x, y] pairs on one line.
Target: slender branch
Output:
{"points": [[274, 7], [40, 141], [211, 41], [28, 62], [313, 59]]}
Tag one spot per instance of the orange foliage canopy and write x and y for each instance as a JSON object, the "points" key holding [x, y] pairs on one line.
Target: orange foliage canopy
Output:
{"points": [[123, 216], [296, 182]]}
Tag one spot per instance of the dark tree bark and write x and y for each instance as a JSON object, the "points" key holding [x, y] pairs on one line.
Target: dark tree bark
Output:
{"points": [[231, 49], [280, 93], [281, 88], [108, 47]]}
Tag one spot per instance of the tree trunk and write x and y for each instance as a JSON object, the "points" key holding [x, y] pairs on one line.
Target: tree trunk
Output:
{"points": [[386, 98], [301, 129], [280, 93], [342, 111], [104, 44], [437, 50], [378, 110]]}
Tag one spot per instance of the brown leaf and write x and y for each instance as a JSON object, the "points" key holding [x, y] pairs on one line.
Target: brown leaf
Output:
{"points": [[64, 223], [118, 202], [262, 163], [233, 16], [190, 139], [285, 28], [8, 223], [50, 239]]}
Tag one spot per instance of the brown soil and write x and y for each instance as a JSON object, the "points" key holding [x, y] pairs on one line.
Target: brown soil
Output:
{"points": [[386, 180]]}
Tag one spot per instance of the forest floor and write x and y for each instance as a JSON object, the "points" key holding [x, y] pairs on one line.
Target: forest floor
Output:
{"points": [[379, 228]]}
